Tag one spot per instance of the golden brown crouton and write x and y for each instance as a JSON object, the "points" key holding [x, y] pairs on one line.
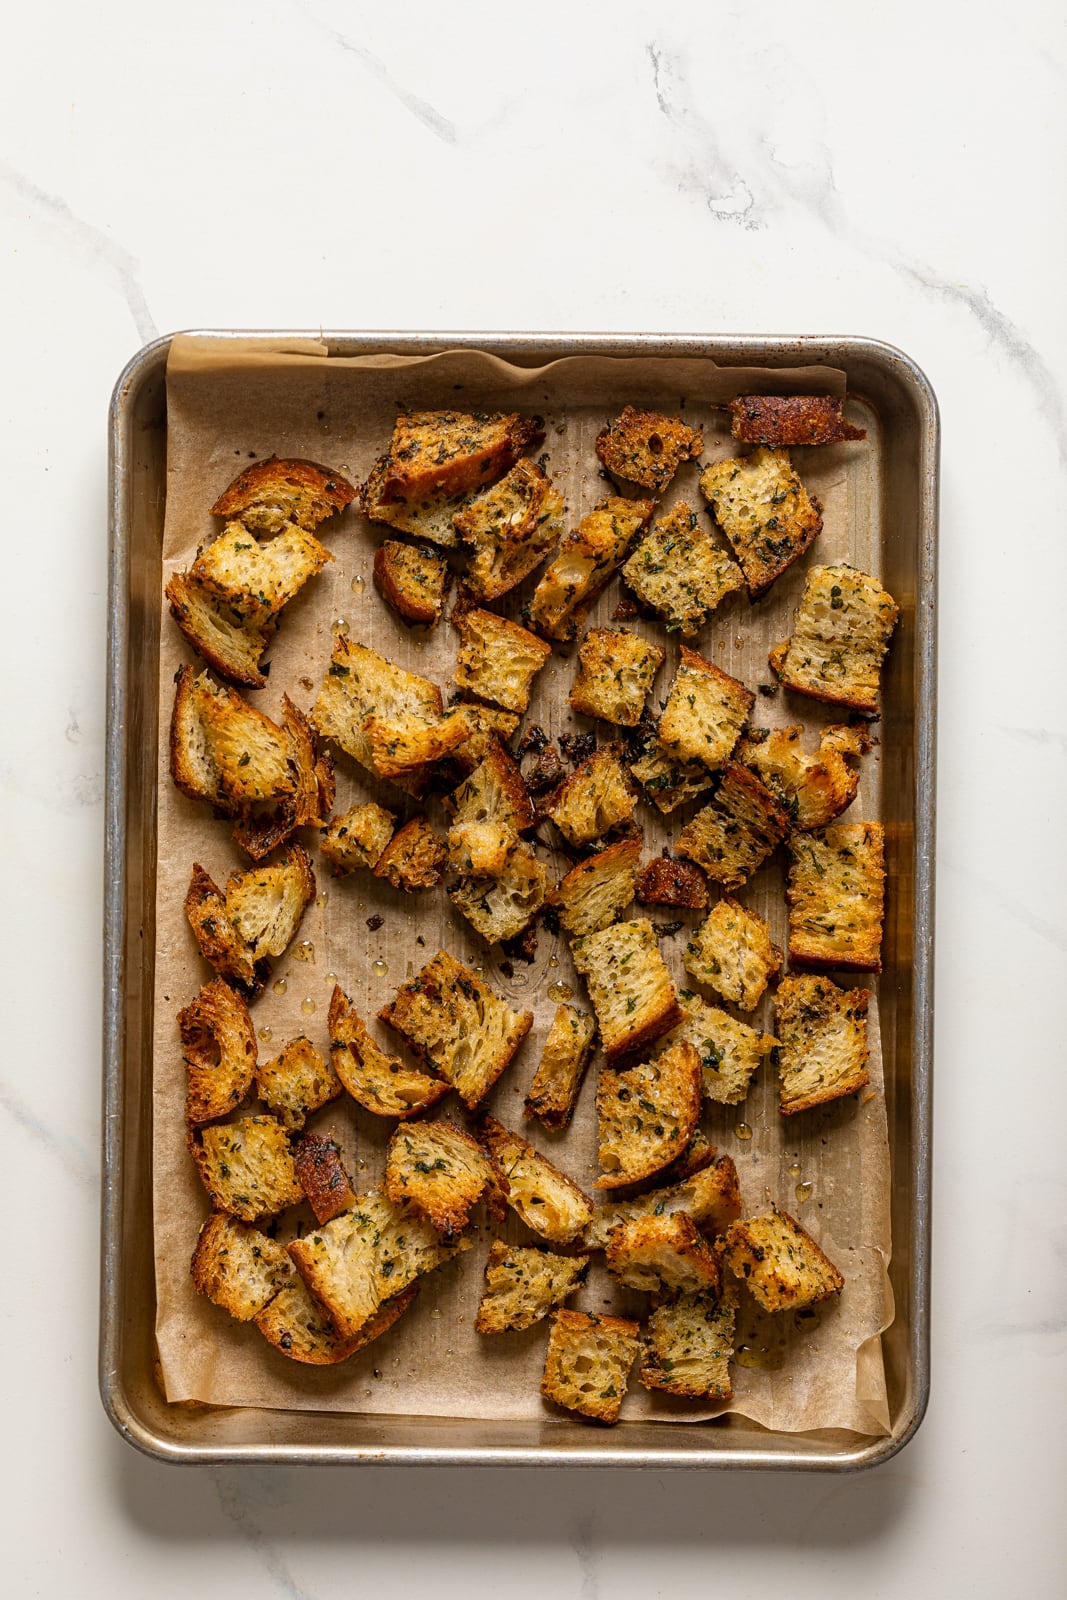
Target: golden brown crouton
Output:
{"points": [[413, 859], [689, 1343], [219, 1051], [705, 712], [523, 1284], [411, 579], [647, 1115], [730, 1051], [842, 631], [501, 906], [359, 685], [780, 1262], [711, 1197], [488, 725], [582, 565], [663, 1255], [591, 895], [732, 953], [491, 807], [814, 789], [231, 644], [680, 572], [296, 1083], [408, 742], [512, 527], [255, 579], [667, 783], [633, 993], [454, 1021], [615, 673], [736, 831], [297, 1326], [666, 882], [258, 832], [452, 452], [256, 918], [238, 1267], [322, 1176], [645, 448], [790, 419], [439, 1170], [497, 660], [765, 512], [537, 1191], [247, 1167], [430, 519], [554, 1090], [596, 798], [836, 895], [357, 838], [587, 1363], [223, 750], [380, 1083], [270, 493], [822, 1034]]}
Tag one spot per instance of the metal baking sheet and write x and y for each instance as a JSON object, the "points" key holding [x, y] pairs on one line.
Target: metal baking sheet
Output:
{"points": [[892, 389]]}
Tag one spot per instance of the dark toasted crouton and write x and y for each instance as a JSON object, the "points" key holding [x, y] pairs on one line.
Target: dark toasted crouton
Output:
{"points": [[632, 991], [411, 579], [380, 1083], [296, 1325], [546, 1199], [616, 669], [647, 1115], [497, 660], [780, 1262], [668, 783], [822, 1042], [452, 452], [680, 572], [247, 1167], [730, 1051], [296, 1083], [591, 895], [554, 1090], [358, 838], [836, 895], [843, 625], [270, 493], [219, 1051], [663, 1255], [705, 712], [645, 448], [737, 830], [582, 565], [258, 832], [815, 789], [237, 1267], [711, 1197], [413, 859], [588, 1362], [733, 954], [512, 527], [765, 512], [666, 882], [689, 1343], [523, 1284], [596, 798], [439, 1170], [790, 419], [322, 1176]]}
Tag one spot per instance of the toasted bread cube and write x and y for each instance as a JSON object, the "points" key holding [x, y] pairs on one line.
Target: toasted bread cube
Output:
{"points": [[705, 712], [711, 1197], [588, 1362], [237, 1267], [780, 1262], [256, 832], [254, 579], [256, 918], [367, 1256], [431, 518], [296, 1083], [680, 572], [633, 993], [489, 725], [224, 751], [439, 1170], [733, 954], [765, 512], [549, 1202], [231, 644], [357, 838], [497, 660], [219, 1050], [413, 859], [836, 896], [822, 1049], [730, 1051], [322, 1176], [737, 830], [647, 1115], [502, 906], [790, 419], [491, 808], [843, 627], [616, 669], [247, 1167], [454, 1021], [218, 941], [663, 1255], [378, 1082], [591, 895], [646, 448], [596, 798], [554, 1090], [666, 882], [409, 742], [814, 789], [582, 565], [271, 493], [523, 1284], [689, 1343], [360, 685], [667, 783], [512, 527], [411, 579], [452, 452], [296, 1325]]}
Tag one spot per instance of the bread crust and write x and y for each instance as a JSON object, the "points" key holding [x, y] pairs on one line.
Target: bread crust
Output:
{"points": [[219, 1050], [452, 452], [778, 420], [272, 492], [411, 580], [322, 1176], [737, 830]]}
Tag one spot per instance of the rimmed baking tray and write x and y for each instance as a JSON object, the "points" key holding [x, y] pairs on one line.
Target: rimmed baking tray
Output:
{"points": [[905, 505]]}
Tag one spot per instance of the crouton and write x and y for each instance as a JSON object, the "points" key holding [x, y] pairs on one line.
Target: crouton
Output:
{"points": [[360, 685], [765, 512], [663, 1255], [491, 807], [596, 798], [582, 565], [500, 907], [822, 1042], [497, 660], [238, 1267], [254, 580], [224, 751], [454, 1021], [680, 573], [730, 1051], [232, 645], [615, 673], [670, 784], [523, 1284], [219, 1051], [666, 882], [790, 419], [247, 1167], [451, 452], [431, 518], [296, 1082], [591, 895], [271, 493], [705, 712], [367, 1256], [258, 832], [488, 725], [633, 993], [256, 918], [357, 838], [647, 1115], [711, 1197], [814, 789], [408, 742], [296, 1325], [322, 1176], [413, 859], [511, 527], [689, 1343], [554, 1090], [542, 1196], [733, 954], [698, 1154], [411, 579], [380, 1083], [587, 1363], [439, 1170], [780, 1262], [836, 896], [736, 831], [843, 625], [645, 448]]}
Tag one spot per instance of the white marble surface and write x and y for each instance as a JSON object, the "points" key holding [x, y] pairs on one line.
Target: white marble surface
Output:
{"points": [[893, 171]]}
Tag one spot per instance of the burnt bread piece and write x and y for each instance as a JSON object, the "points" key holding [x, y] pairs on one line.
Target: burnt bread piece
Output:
{"points": [[779, 420]]}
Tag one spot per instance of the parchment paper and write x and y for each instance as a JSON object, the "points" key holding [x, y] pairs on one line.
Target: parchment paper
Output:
{"points": [[228, 405]]}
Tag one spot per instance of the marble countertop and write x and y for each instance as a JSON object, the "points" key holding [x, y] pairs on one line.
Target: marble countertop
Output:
{"points": [[719, 168]]}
